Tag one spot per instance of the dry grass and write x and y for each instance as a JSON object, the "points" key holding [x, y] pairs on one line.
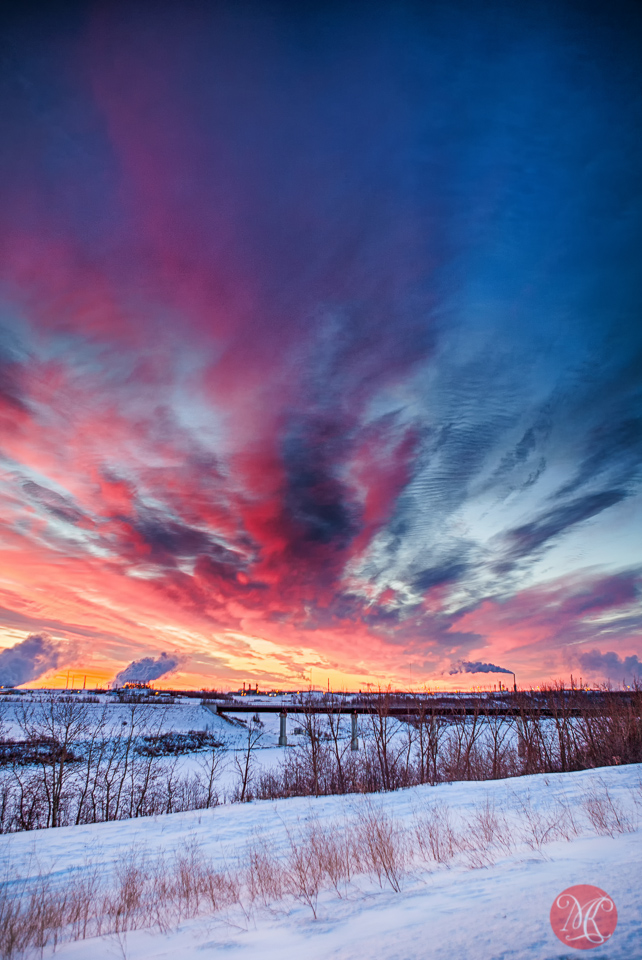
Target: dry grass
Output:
{"points": [[34, 912], [382, 845], [545, 824], [303, 871], [338, 850], [476, 841], [158, 890], [606, 815], [487, 836], [264, 877], [436, 837]]}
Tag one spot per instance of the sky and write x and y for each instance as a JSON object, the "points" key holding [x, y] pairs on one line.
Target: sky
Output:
{"points": [[320, 343]]}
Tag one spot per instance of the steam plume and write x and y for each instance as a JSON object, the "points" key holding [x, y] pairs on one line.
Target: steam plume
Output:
{"points": [[147, 669], [468, 666], [30, 659]]}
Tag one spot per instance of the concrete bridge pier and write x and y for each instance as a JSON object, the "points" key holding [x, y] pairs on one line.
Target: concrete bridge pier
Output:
{"points": [[355, 733], [283, 736]]}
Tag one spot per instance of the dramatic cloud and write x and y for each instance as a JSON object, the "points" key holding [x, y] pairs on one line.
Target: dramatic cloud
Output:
{"points": [[466, 666], [147, 669], [611, 665], [30, 659], [319, 345]]}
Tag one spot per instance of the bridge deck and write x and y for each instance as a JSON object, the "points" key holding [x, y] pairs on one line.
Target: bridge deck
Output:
{"points": [[402, 710]]}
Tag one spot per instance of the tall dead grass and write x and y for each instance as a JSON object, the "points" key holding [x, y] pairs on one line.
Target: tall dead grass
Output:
{"points": [[159, 890], [607, 815], [382, 845]]}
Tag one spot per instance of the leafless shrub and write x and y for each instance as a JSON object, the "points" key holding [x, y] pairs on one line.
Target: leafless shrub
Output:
{"points": [[303, 873], [475, 853], [567, 828], [436, 836], [383, 848], [88, 769], [12, 927], [221, 888], [338, 852], [244, 761], [128, 902], [32, 913], [159, 890], [485, 836], [186, 885], [606, 815], [264, 875], [188, 875], [539, 826], [491, 826], [83, 891]]}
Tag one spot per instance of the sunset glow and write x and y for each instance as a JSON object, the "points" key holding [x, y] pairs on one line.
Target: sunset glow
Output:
{"points": [[320, 350]]}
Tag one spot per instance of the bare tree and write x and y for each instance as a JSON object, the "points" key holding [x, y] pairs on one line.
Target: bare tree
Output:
{"points": [[62, 723], [211, 768], [94, 747], [313, 747], [339, 747], [430, 729], [388, 749], [244, 762]]}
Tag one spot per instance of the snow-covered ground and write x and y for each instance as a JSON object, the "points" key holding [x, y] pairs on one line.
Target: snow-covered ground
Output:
{"points": [[452, 911], [182, 716]]}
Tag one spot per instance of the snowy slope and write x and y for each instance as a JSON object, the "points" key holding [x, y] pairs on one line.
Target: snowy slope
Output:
{"points": [[180, 716], [490, 913]]}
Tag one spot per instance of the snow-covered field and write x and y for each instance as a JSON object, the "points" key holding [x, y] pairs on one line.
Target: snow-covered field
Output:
{"points": [[455, 910], [182, 716]]}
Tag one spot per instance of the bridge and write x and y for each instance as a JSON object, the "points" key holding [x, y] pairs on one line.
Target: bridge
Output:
{"points": [[518, 706]]}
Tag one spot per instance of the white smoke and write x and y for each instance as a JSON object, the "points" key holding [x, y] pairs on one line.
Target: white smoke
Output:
{"points": [[31, 658], [468, 666], [147, 669]]}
